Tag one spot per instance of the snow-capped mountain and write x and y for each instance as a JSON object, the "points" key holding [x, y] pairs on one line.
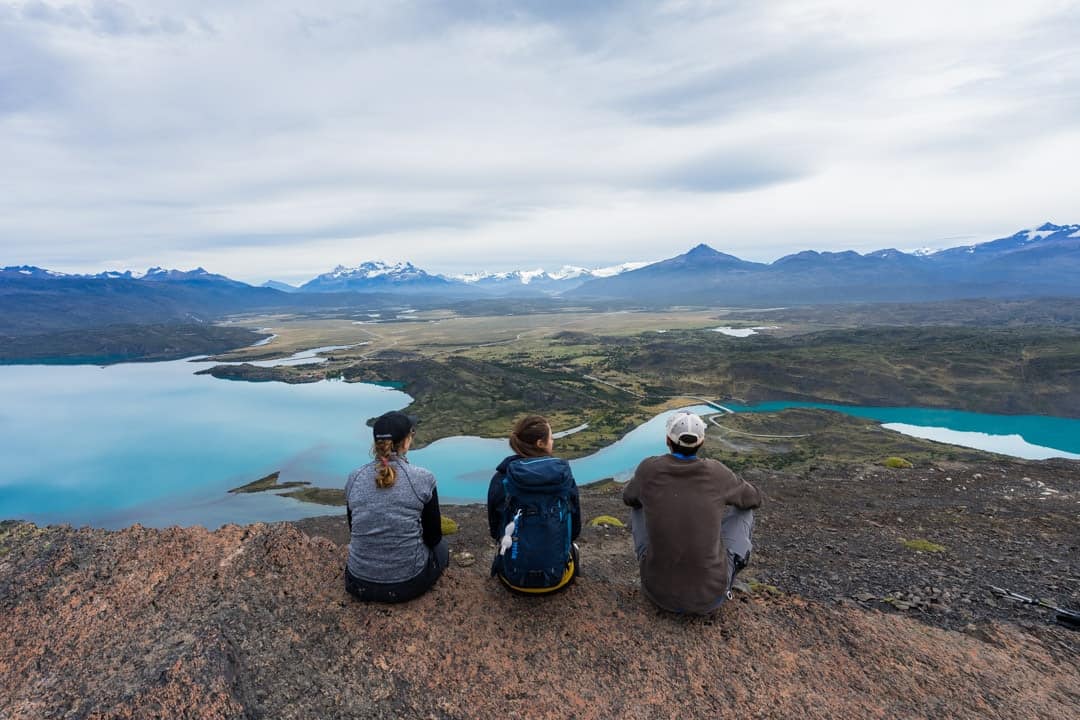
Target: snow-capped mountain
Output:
{"points": [[378, 276], [30, 271], [541, 281], [154, 274], [1038, 238]]}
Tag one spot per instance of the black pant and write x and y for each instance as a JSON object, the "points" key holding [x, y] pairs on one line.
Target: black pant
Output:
{"points": [[405, 590]]}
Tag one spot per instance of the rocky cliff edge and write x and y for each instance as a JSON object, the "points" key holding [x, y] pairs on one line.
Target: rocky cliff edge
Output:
{"points": [[253, 622]]}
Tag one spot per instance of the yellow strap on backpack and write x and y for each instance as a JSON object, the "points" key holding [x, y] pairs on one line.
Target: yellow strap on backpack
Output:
{"points": [[567, 577]]}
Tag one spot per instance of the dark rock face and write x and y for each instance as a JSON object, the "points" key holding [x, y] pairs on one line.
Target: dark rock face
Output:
{"points": [[253, 622]]}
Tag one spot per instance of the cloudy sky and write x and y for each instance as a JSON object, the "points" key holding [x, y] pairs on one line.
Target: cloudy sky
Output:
{"points": [[278, 139]]}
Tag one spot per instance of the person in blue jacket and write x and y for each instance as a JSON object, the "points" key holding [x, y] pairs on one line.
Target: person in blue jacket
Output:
{"points": [[534, 513]]}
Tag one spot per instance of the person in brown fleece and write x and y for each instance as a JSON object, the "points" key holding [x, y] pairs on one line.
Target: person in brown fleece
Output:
{"points": [[691, 519]]}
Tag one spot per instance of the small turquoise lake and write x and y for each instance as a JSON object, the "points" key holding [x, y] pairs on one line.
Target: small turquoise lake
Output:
{"points": [[155, 444], [1027, 436]]}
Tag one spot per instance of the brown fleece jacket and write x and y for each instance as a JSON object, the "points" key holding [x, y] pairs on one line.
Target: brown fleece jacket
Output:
{"points": [[685, 568]]}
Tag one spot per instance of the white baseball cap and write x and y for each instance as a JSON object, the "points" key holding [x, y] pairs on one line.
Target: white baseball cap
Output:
{"points": [[686, 429]]}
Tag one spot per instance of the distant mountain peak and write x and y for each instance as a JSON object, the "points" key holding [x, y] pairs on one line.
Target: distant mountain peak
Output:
{"points": [[701, 249], [708, 255], [376, 275], [372, 269]]}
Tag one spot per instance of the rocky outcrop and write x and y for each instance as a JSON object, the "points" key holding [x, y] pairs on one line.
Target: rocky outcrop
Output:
{"points": [[253, 622]]}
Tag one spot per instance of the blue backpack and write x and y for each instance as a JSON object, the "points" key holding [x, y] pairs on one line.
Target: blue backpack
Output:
{"points": [[541, 535]]}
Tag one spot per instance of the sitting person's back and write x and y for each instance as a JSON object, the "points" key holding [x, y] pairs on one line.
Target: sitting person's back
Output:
{"points": [[396, 549], [689, 542], [533, 513]]}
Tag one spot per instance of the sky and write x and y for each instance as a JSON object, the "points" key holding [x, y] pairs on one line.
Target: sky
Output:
{"points": [[279, 139]]}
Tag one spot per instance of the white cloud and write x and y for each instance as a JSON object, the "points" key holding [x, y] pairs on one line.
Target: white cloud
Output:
{"points": [[264, 140]]}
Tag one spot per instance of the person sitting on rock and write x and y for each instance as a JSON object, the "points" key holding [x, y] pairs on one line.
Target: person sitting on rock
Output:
{"points": [[534, 513], [396, 547], [691, 519]]}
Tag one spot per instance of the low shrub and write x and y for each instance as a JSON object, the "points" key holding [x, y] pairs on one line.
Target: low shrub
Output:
{"points": [[897, 462]]}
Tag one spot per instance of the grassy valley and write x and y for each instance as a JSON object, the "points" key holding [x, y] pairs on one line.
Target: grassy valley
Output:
{"points": [[612, 370]]}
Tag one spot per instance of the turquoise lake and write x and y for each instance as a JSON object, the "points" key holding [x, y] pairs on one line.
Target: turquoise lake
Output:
{"points": [[155, 444]]}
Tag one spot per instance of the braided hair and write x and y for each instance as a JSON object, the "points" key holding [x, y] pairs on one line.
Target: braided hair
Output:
{"points": [[385, 475]]}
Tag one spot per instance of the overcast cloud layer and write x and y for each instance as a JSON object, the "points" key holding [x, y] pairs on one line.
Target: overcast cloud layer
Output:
{"points": [[276, 139]]}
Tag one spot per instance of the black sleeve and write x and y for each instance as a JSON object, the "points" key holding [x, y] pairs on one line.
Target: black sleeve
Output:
{"points": [[495, 502], [575, 513], [631, 494], [573, 497], [348, 509], [431, 520]]}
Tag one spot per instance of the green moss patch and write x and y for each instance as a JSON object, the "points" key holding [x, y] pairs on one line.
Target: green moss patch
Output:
{"points": [[449, 527], [601, 520], [760, 588], [920, 545], [897, 462]]}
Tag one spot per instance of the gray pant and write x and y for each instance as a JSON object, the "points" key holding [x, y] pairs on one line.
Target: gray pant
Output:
{"points": [[438, 560], [736, 528]]}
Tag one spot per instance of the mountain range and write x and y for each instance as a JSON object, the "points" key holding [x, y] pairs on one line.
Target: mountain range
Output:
{"points": [[377, 276], [1043, 261]]}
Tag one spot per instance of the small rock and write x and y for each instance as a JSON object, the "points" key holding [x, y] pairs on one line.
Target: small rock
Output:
{"points": [[465, 558]]}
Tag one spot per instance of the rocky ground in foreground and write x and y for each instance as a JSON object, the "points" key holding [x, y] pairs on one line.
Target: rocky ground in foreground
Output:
{"points": [[845, 620]]}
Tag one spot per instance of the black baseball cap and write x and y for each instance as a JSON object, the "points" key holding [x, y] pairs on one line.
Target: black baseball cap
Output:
{"points": [[394, 425]]}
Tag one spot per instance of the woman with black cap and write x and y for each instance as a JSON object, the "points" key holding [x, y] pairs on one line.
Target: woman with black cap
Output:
{"points": [[396, 550]]}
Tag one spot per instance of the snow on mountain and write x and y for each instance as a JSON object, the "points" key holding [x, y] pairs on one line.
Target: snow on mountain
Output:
{"points": [[32, 271], [569, 272], [527, 276], [374, 269], [378, 275], [619, 269], [1038, 234], [563, 275]]}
